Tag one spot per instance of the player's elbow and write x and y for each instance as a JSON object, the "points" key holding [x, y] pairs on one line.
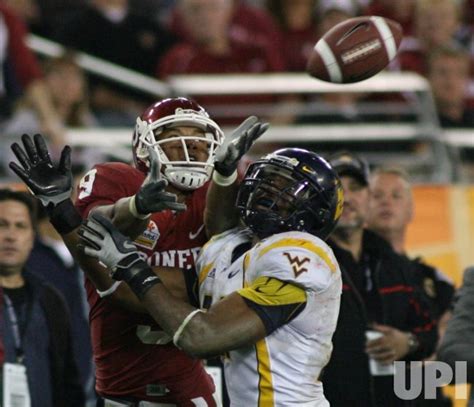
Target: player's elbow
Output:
{"points": [[200, 343], [198, 351]]}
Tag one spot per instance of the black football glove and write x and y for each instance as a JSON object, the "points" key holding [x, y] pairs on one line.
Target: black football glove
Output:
{"points": [[237, 144], [52, 185], [152, 196], [102, 240]]}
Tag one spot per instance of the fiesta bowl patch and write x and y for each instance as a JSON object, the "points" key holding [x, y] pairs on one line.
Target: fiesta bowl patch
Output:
{"points": [[149, 237]]}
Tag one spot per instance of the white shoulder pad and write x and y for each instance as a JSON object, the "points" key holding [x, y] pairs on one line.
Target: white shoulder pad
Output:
{"points": [[296, 257], [221, 246]]}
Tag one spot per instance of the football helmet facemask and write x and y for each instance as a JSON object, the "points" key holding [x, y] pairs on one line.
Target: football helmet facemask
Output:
{"points": [[186, 174]]}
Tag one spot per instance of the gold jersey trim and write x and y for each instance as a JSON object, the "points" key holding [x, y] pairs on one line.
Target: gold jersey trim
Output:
{"points": [[266, 397], [271, 291], [300, 243], [205, 271]]}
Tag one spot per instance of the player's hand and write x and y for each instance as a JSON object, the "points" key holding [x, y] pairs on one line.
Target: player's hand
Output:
{"points": [[102, 240], [52, 185], [152, 196], [237, 144], [392, 346]]}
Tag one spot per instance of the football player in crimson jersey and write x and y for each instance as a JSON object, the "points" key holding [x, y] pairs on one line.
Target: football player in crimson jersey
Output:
{"points": [[159, 203], [272, 290]]}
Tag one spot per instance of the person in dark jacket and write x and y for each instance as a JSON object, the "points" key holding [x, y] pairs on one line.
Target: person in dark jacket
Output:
{"points": [[379, 300], [390, 212], [35, 331], [51, 261]]}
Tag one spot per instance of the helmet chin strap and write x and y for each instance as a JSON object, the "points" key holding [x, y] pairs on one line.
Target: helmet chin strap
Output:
{"points": [[184, 178]]}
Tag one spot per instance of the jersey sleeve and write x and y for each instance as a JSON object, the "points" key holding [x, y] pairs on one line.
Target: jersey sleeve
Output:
{"points": [[105, 184], [276, 302], [304, 261]]}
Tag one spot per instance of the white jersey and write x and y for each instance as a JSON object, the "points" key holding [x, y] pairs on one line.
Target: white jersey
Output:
{"points": [[283, 368]]}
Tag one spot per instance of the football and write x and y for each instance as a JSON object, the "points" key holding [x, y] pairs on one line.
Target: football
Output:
{"points": [[355, 49]]}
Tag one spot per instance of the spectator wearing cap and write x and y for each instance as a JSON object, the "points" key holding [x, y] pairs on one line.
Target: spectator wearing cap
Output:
{"points": [[379, 301]]}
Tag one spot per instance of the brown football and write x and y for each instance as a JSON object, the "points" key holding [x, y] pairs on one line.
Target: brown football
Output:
{"points": [[355, 49]]}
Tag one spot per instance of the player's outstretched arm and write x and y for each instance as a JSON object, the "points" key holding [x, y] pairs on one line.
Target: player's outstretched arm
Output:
{"points": [[52, 185], [228, 325], [131, 214], [220, 213]]}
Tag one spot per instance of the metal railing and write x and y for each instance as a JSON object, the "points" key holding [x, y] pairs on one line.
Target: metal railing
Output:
{"points": [[425, 128]]}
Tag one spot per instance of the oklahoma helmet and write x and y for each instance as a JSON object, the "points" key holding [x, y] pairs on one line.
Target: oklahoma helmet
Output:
{"points": [[290, 189], [186, 174]]}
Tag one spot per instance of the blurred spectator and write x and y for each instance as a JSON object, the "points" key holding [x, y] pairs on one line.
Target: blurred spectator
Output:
{"points": [[335, 107], [27, 10], [156, 10], [402, 11], [391, 210], [67, 85], [458, 342], [246, 21], [217, 49], [448, 73], [324, 107], [110, 30], [333, 12], [51, 260], [468, 12], [298, 27], [214, 47], [20, 74], [42, 16], [378, 299], [35, 323], [437, 24]]}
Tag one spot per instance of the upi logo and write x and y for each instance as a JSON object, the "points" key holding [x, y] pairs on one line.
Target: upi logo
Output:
{"points": [[426, 377]]}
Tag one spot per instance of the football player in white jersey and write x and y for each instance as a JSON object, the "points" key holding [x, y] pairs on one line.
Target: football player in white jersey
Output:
{"points": [[268, 293]]}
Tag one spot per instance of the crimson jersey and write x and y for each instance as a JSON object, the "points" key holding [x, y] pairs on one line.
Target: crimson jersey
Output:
{"points": [[133, 356]]}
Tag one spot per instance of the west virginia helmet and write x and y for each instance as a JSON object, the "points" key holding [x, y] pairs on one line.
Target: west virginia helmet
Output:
{"points": [[173, 112], [290, 190]]}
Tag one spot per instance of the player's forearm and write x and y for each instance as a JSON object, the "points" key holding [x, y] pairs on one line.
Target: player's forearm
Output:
{"points": [[121, 216], [220, 213], [170, 313], [99, 276], [227, 326], [91, 267]]}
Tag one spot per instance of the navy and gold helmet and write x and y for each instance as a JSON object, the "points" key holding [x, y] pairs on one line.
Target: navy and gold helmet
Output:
{"points": [[290, 190]]}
